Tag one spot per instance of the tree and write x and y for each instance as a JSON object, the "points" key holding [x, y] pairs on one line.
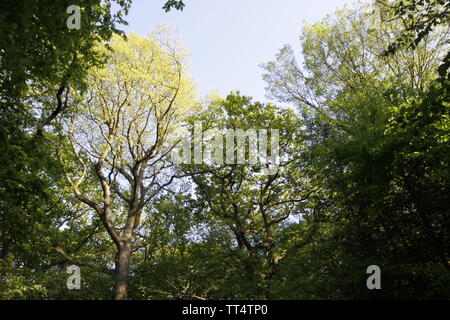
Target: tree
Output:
{"points": [[42, 63], [420, 18], [251, 202], [121, 135], [38, 55], [355, 172], [373, 182]]}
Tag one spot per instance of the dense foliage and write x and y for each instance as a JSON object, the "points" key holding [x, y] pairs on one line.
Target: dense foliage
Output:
{"points": [[90, 120]]}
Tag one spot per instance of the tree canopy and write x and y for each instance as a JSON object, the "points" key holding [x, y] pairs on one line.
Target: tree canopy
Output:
{"points": [[111, 163]]}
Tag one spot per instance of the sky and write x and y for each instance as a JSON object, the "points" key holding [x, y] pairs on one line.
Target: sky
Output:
{"points": [[229, 39]]}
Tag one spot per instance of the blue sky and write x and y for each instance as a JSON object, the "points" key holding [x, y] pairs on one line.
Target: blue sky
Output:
{"points": [[229, 39]]}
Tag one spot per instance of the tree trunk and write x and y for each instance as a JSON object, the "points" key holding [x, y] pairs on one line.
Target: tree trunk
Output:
{"points": [[122, 269]]}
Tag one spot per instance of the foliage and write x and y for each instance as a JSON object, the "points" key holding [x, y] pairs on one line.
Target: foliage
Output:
{"points": [[372, 141], [90, 119], [177, 4]]}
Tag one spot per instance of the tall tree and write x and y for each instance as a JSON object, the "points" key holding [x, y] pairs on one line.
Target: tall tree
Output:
{"points": [[121, 135], [39, 56], [250, 200], [364, 123]]}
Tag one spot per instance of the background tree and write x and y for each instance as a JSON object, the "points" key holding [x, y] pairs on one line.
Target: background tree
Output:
{"points": [[351, 95], [249, 201]]}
